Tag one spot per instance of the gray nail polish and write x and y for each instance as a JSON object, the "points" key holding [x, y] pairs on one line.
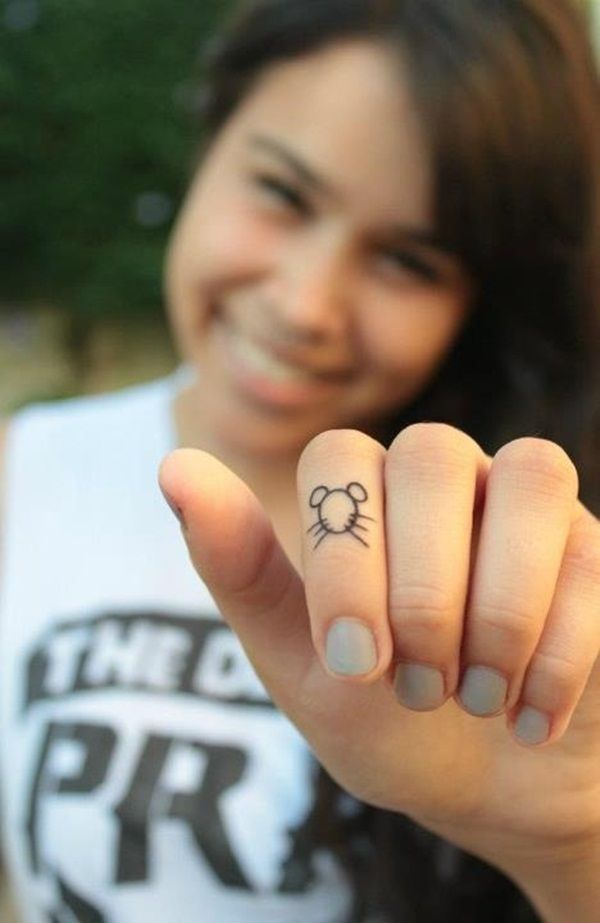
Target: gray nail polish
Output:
{"points": [[483, 691], [532, 726], [350, 648], [419, 687]]}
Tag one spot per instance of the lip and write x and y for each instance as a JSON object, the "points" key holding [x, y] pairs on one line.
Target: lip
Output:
{"points": [[320, 385], [291, 359]]}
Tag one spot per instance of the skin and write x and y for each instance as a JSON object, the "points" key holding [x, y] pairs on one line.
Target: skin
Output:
{"points": [[472, 561], [326, 270]]}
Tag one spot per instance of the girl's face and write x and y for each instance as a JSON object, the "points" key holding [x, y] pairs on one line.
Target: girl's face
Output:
{"points": [[303, 278]]}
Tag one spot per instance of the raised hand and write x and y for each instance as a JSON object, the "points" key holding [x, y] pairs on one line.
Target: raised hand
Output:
{"points": [[439, 652]]}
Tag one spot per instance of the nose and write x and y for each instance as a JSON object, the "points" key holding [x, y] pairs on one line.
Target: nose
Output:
{"points": [[310, 291]]}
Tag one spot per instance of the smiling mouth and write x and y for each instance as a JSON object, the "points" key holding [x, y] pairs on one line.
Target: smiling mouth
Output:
{"points": [[274, 361], [272, 378]]}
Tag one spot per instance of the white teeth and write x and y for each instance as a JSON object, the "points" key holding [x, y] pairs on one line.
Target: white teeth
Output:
{"points": [[256, 358]]}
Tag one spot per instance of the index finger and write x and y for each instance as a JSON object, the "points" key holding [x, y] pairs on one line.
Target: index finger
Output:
{"points": [[341, 499]]}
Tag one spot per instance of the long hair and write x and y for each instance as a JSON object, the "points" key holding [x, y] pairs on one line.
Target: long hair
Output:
{"points": [[509, 97]]}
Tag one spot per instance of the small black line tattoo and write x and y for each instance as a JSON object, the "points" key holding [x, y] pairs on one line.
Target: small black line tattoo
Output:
{"points": [[337, 511]]}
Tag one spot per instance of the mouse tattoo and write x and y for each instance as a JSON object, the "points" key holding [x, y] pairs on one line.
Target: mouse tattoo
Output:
{"points": [[337, 511]]}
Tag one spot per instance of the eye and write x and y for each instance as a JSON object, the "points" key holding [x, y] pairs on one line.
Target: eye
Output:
{"points": [[282, 192], [405, 260]]}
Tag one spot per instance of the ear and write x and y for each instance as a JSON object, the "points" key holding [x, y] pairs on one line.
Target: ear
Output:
{"points": [[357, 492], [318, 495]]}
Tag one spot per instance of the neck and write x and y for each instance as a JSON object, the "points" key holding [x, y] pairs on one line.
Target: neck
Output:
{"points": [[271, 479], [276, 472]]}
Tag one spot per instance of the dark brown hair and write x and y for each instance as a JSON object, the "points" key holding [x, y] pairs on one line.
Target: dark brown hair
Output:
{"points": [[509, 95]]}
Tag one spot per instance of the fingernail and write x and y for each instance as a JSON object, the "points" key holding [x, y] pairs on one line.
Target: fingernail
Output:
{"points": [[483, 691], [419, 687], [172, 505], [350, 648], [532, 726]]}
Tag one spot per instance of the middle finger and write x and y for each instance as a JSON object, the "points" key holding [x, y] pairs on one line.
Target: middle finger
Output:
{"points": [[434, 477]]}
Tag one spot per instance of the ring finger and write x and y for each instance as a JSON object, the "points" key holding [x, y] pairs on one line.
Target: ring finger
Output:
{"points": [[531, 490]]}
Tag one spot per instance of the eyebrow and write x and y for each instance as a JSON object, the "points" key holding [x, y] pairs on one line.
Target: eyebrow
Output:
{"points": [[304, 172], [321, 186]]}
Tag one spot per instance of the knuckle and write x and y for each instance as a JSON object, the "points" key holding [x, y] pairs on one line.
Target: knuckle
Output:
{"points": [[583, 555], [248, 584], [428, 607], [583, 549], [511, 622], [542, 460], [319, 445], [338, 443], [439, 444], [559, 672]]}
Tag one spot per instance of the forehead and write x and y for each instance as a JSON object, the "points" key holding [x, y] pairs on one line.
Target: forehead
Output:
{"points": [[347, 111]]}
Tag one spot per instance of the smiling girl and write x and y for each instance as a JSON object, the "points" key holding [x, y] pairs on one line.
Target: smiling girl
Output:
{"points": [[382, 285]]}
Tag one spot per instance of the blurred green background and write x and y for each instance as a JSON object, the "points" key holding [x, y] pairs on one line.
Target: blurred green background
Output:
{"points": [[99, 128]]}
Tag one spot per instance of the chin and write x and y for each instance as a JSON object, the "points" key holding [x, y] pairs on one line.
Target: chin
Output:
{"points": [[268, 447]]}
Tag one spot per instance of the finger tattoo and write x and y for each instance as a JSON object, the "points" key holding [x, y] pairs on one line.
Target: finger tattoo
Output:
{"points": [[338, 511]]}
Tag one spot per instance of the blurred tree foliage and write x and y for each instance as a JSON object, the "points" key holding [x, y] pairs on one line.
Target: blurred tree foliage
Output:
{"points": [[95, 148]]}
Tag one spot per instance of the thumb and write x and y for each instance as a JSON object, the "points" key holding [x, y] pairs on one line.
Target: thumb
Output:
{"points": [[234, 549]]}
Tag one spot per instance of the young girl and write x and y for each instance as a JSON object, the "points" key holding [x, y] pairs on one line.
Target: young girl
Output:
{"points": [[382, 284]]}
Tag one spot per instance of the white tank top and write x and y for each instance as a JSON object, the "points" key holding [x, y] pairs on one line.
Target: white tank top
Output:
{"points": [[146, 776]]}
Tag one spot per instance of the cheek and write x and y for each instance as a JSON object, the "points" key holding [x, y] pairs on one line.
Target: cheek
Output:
{"points": [[411, 338], [220, 248]]}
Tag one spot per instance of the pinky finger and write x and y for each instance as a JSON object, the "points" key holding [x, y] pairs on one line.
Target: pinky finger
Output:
{"points": [[553, 693]]}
